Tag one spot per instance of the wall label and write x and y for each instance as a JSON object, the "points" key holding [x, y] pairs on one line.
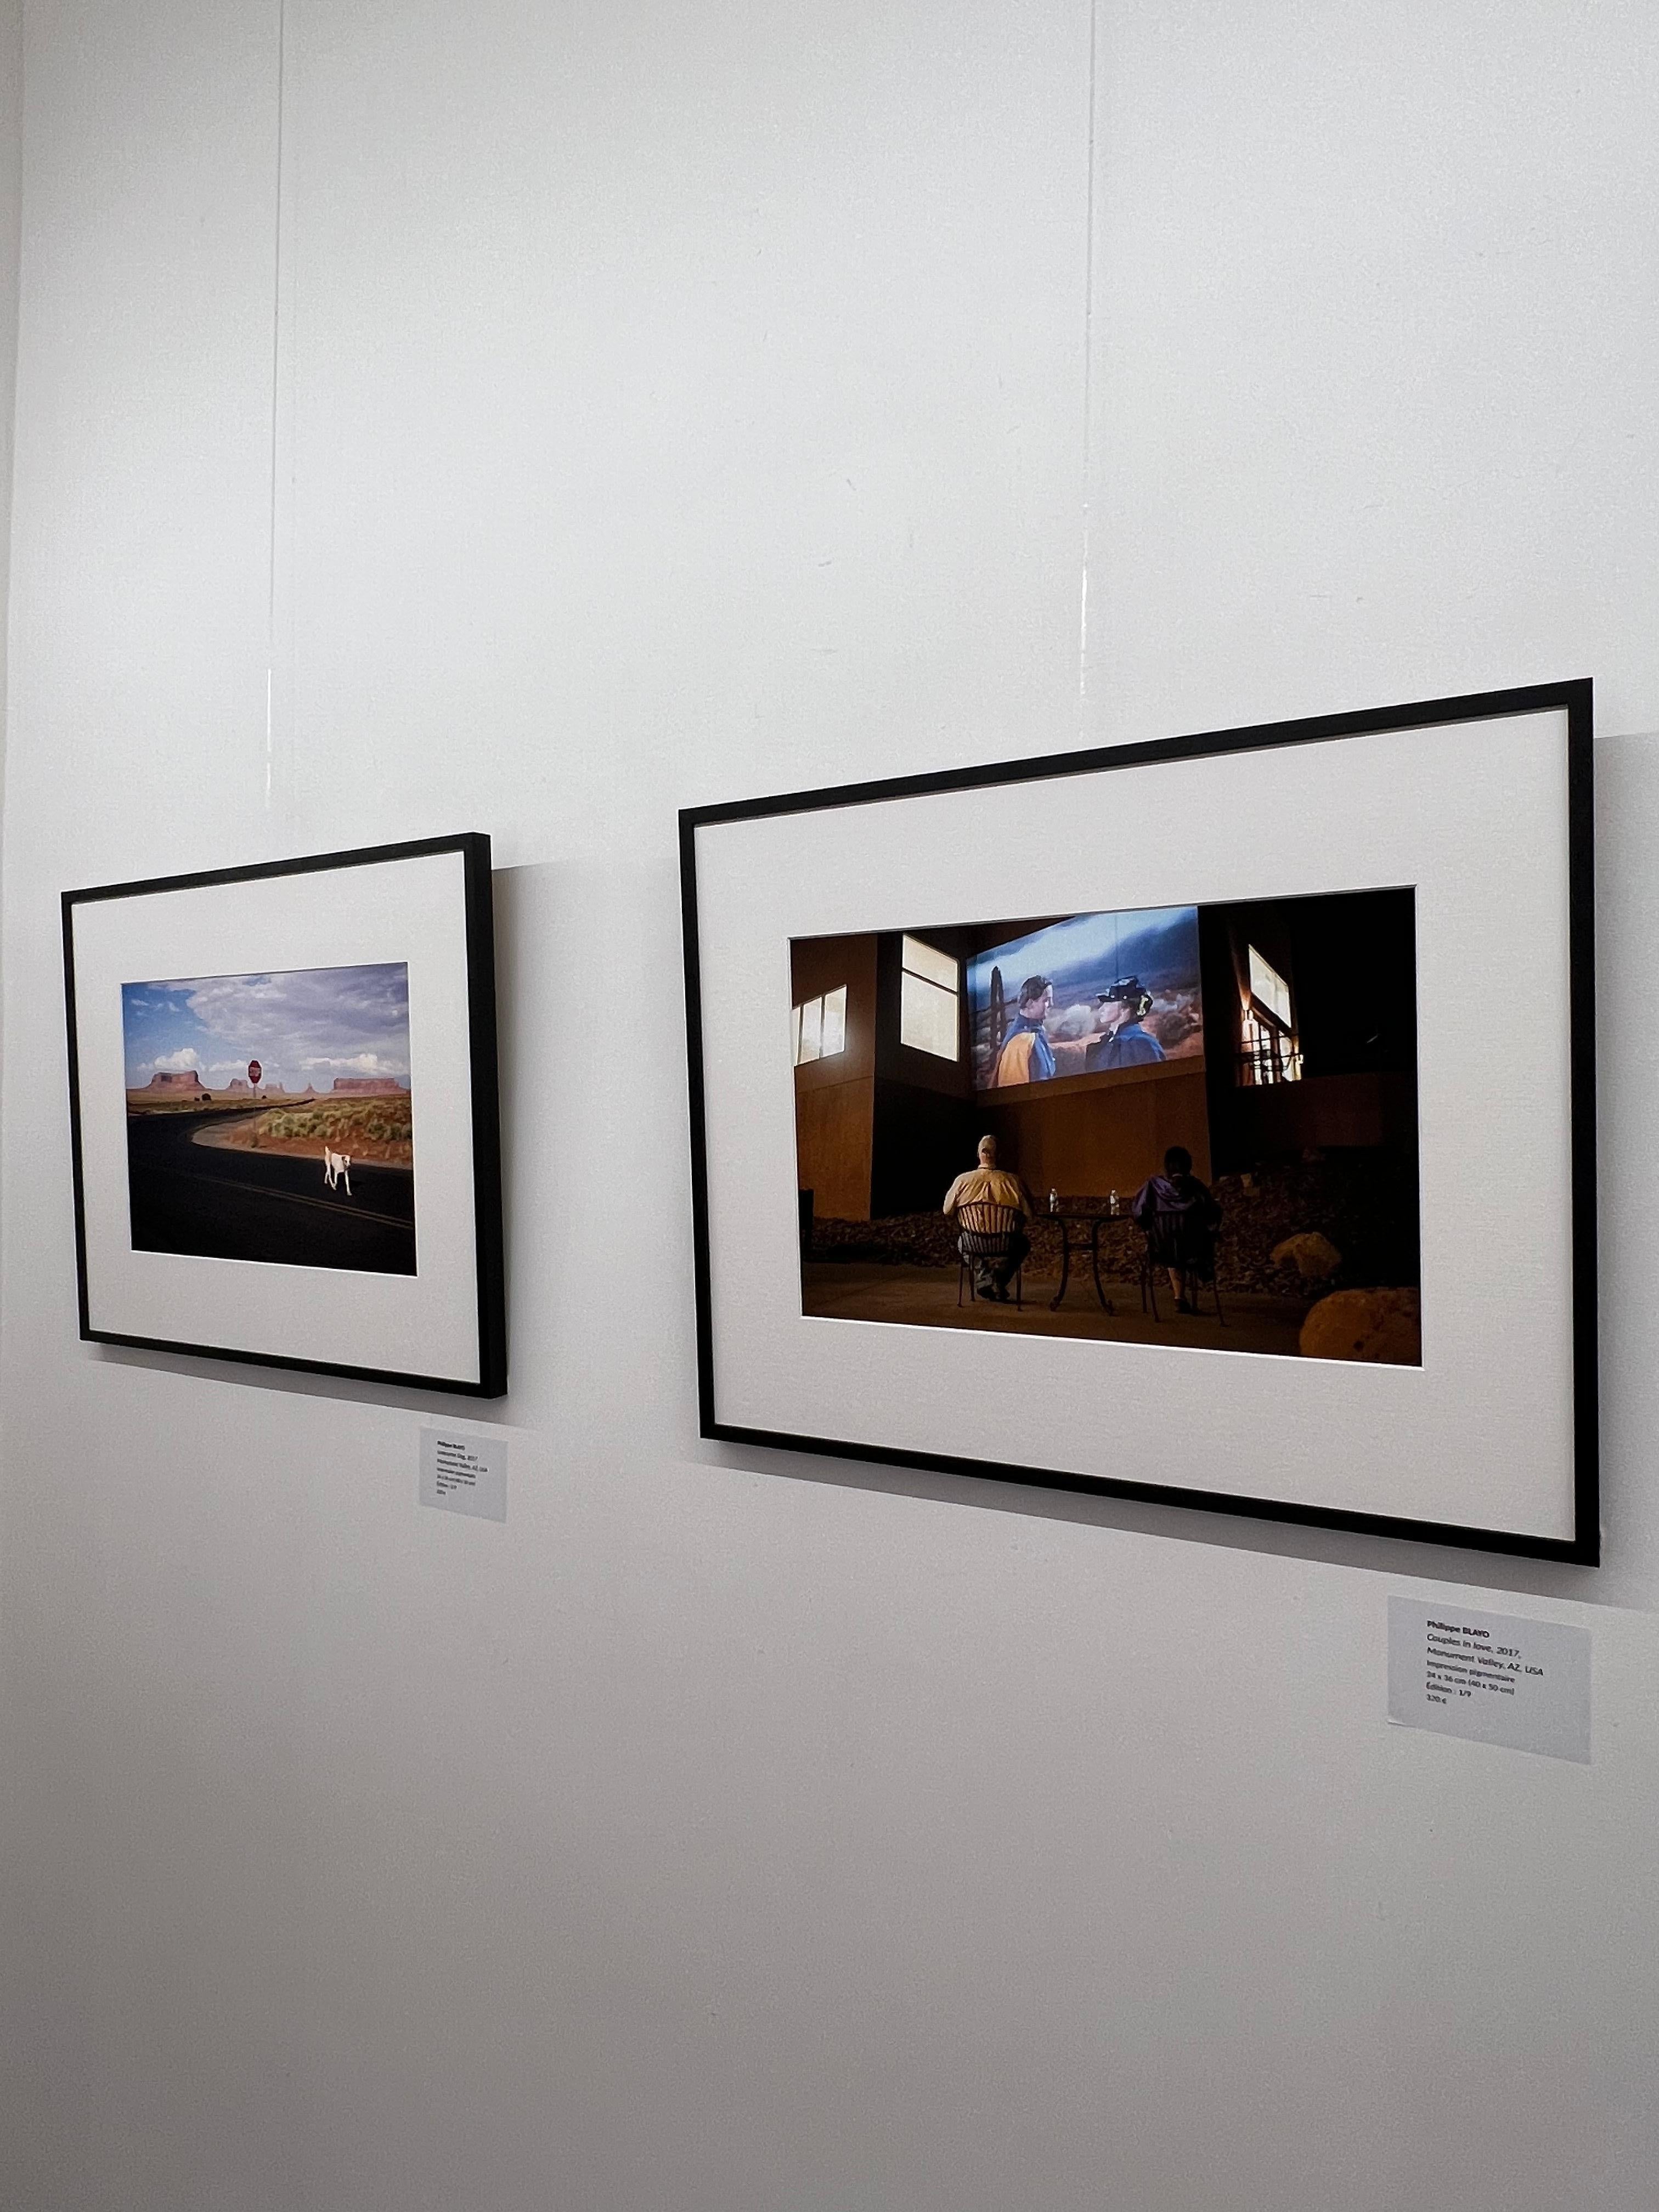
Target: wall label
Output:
{"points": [[464, 1472], [1490, 1676]]}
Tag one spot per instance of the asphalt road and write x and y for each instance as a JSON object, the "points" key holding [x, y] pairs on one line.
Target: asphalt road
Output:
{"points": [[273, 1206]]}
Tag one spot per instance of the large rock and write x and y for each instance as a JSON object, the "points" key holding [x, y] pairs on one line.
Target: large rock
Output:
{"points": [[1376, 1325], [1314, 1257]]}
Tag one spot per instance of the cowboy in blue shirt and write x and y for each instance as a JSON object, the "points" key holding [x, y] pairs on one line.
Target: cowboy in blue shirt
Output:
{"points": [[1123, 1006]]}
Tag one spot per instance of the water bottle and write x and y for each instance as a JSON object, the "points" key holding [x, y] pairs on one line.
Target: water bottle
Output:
{"points": [[1054, 1202]]}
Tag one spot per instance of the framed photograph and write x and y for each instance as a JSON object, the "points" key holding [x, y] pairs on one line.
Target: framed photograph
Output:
{"points": [[1209, 1120], [283, 1103]]}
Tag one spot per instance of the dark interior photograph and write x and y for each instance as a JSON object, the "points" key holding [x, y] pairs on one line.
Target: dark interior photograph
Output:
{"points": [[1217, 1149]]}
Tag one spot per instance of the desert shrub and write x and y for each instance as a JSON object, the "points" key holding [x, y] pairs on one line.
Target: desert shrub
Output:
{"points": [[340, 1123]]}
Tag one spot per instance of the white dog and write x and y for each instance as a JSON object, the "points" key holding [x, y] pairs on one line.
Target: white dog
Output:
{"points": [[336, 1170]]}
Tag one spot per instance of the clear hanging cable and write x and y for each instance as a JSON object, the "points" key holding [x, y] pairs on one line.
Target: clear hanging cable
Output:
{"points": [[1088, 387], [276, 275]]}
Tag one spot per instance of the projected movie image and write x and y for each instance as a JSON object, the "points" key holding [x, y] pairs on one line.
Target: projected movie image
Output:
{"points": [[1191, 1125], [1089, 995], [269, 1118]]}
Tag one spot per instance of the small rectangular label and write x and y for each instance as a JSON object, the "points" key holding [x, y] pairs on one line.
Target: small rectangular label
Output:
{"points": [[1491, 1677], [465, 1473]]}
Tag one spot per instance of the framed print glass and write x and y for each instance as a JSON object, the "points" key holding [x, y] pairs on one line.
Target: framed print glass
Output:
{"points": [[1209, 1119], [282, 1099]]}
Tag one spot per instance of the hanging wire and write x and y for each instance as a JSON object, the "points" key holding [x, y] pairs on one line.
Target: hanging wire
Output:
{"points": [[276, 352], [1088, 387]]}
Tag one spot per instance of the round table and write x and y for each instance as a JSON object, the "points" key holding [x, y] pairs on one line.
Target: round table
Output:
{"points": [[1074, 1221]]}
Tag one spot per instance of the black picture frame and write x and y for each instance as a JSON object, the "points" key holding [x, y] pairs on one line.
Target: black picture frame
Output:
{"points": [[1574, 699], [478, 921]]}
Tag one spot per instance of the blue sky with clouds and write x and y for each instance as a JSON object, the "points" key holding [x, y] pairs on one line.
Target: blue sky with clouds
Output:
{"points": [[306, 1026], [1087, 951]]}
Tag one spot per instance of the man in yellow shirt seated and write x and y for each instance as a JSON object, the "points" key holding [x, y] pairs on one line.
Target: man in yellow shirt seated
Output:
{"points": [[988, 1183]]}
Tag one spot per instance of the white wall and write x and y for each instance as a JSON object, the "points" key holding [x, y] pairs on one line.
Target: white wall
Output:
{"points": [[11, 181], [675, 401]]}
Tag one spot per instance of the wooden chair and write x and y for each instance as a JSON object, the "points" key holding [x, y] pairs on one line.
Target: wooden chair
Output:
{"points": [[984, 1235]]}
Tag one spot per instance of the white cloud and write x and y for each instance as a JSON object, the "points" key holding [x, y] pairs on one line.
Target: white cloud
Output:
{"points": [[360, 1063], [176, 1061], [1077, 1021], [350, 1021]]}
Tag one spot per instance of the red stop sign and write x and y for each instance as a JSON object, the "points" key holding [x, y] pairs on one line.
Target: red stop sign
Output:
{"points": [[254, 1071]]}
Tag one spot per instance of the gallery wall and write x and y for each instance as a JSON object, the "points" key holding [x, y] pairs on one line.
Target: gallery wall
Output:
{"points": [[535, 419], [11, 179]]}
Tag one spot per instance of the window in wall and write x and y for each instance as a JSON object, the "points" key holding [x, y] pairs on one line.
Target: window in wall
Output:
{"points": [[819, 1026], [1267, 985], [930, 995], [1272, 1051]]}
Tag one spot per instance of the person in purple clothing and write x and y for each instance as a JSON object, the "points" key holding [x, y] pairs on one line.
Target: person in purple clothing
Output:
{"points": [[1181, 1218]]}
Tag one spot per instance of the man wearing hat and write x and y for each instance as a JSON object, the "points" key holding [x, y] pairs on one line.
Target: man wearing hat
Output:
{"points": [[1123, 1007]]}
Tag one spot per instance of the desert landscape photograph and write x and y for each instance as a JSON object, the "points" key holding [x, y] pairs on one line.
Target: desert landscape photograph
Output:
{"points": [[270, 1118]]}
